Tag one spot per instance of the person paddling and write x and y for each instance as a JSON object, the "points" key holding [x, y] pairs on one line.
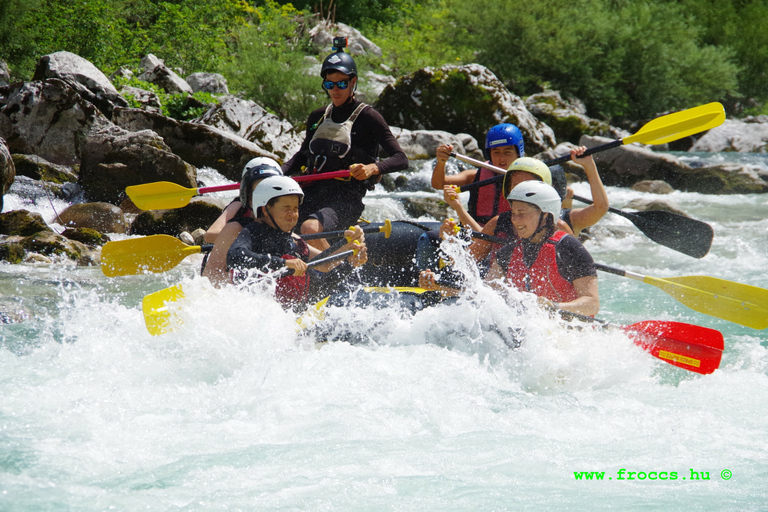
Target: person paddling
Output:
{"points": [[344, 135], [225, 229], [540, 259], [268, 244]]}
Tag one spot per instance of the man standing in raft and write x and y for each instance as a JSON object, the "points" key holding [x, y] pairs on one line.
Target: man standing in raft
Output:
{"points": [[344, 135]]}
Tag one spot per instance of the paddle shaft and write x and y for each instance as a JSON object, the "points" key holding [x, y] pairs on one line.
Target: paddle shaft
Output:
{"points": [[317, 262], [300, 179]]}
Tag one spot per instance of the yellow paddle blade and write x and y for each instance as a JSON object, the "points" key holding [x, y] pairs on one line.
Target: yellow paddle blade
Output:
{"points": [[735, 302], [161, 195], [680, 124], [155, 307], [156, 253]]}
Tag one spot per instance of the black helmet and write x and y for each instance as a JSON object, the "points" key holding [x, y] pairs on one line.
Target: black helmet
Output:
{"points": [[341, 62], [559, 181], [256, 169]]}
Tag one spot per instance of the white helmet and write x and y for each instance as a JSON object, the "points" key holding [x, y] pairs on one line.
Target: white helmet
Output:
{"points": [[272, 187], [258, 168], [539, 194]]}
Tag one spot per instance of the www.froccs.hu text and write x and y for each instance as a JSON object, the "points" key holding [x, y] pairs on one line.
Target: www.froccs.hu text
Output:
{"points": [[624, 474]]}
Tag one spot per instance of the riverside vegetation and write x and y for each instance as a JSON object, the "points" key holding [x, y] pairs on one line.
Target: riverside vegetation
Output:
{"points": [[625, 60]]}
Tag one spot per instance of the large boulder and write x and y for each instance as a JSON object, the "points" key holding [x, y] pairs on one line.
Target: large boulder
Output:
{"points": [[626, 165], [567, 118], [147, 100], [323, 33], [49, 119], [7, 170], [38, 168], [114, 159], [201, 212], [156, 72], [212, 83], [84, 77], [734, 135], [200, 145], [103, 217], [5, 74], [460, 99], [421, 144], [246, 119], [21, 223], [52, 244]]}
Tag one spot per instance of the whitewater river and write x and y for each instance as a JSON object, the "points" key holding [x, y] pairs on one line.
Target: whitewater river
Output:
{"points": [[236, 411]]}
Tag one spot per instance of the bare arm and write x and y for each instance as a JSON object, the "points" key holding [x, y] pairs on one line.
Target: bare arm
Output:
{"points": [[216, 266], [582, 218], [588, 302], [218, 225], [439, 179], [452, 198]]}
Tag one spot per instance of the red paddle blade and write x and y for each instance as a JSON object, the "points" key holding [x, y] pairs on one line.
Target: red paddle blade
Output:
{"points": [[691, 347]]}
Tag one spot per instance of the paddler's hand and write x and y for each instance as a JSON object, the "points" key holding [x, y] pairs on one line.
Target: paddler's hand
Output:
{"points": [[354, 233], [547, 304], [298, 266], [428, 280], [363, 172], [581, 160], [360, 257], [451, 196], [442, 153], [448, 228]]}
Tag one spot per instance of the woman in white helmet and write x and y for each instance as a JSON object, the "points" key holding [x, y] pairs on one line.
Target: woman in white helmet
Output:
{"points": [[231, 221], [268, 243], [542, 260]]}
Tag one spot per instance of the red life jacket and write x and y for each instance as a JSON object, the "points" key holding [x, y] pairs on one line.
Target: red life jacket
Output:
{"points": [[293, 289], [543, 277], [487, 202]]}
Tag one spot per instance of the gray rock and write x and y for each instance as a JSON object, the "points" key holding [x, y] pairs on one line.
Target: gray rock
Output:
{"points": [[567, 118], [84, 77], [645, 205], [114, 159], [157, 73], [103, 217], [199, 213], [212, 83], [250, 121], [5, 74], [653, 187], [37, 168], [200, 145], [734, 135], [421, 144], [323, 33], [148, 99], [7, 170], [48, 119], [460, 99]]}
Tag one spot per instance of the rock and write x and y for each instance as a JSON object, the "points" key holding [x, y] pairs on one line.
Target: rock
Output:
{"points": [[38, 168], [323, 33], [198, 144], [12, 252], [567, 119], [5, 74], [734, 135], [149, 100], [626, 165], [84, 77], [157, 73], [645, 205], [250, 121], [422, 144], [34, 257], [102, 217], [371, 85], [212, 83], [48, 119], [460, 99], [420, 206], [198, 236], [115, 159], [86, 236], [7, 170], [199, 213], [653, 187], [49, 243], [21, 223]]}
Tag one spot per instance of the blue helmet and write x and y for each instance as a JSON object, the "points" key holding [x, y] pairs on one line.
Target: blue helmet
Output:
{"points": [[504, 135]]}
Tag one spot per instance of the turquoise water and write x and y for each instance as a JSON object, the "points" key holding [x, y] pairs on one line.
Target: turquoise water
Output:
{"points": [[236, 411]]}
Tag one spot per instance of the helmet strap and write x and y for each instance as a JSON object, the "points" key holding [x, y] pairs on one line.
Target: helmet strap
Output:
{"points": [[275, 224]]}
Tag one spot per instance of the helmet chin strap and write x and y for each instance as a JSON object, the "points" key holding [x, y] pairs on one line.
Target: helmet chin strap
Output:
{"points": [[276, 225], [539, 229]]}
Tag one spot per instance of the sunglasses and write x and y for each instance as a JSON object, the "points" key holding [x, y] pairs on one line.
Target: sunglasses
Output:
{"points": [[341, 84]]}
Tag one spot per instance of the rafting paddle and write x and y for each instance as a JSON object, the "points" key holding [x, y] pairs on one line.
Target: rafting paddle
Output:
{"points": [[160, 320], [691, 347], [160, 253], [739, 303], [165, 195], [728, 300], [683, 234]]}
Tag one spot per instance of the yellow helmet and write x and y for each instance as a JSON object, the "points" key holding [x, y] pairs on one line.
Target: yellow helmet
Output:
{"points": [[533, 166]]}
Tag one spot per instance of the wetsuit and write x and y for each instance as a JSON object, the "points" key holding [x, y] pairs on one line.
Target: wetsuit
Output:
{"points": [[338, 204]]}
